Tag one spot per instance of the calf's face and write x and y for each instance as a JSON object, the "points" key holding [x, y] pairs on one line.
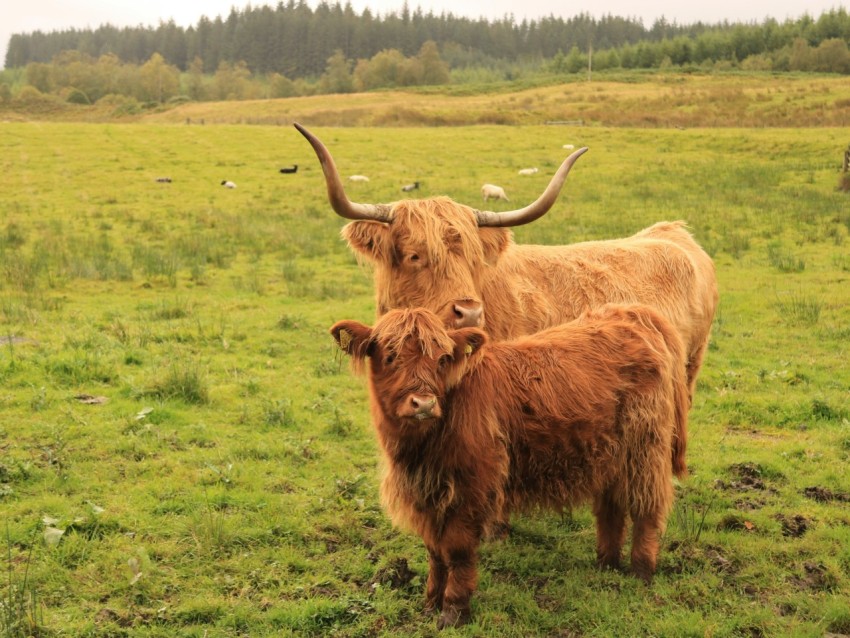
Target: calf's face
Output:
{"points": [[413, 361]]}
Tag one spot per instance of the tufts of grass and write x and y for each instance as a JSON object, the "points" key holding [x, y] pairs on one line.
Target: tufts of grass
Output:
{"points": [[784, 260], [21, 614], [183, 380], [799, 308], [278, 413]]}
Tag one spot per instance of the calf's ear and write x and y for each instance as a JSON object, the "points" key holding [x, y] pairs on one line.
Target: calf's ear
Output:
{"points": [[370, 239], [468, 341], [353, 338]]}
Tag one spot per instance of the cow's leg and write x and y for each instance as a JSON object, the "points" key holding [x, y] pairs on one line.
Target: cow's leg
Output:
{"points": [[645, 531], [458, 549], [693, 367], [438, 573], [610, 530]]}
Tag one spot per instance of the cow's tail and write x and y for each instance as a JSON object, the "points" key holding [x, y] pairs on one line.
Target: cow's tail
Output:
{"points": [[681, 392], [681, 398], [680, 435]]}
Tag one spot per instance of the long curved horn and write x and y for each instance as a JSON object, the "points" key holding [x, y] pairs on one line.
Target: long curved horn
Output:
{"points": [[336, 193], [537, 209]]}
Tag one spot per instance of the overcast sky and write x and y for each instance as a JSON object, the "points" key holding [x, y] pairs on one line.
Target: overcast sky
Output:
{"points": [[25, 16]]}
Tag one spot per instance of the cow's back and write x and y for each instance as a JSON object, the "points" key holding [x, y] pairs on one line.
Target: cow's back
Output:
{"points": [[661, 266]]}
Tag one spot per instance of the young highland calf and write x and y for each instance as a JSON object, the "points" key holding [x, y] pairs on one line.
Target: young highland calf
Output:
{"points": [[591, 411]]}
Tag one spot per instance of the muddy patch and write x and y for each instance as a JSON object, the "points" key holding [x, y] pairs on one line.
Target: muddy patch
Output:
{"points": [[815, 577], [749, 504], [689, 558], [825, 495], [395, 575], [735, 523], [745, 477], [793, 526]]}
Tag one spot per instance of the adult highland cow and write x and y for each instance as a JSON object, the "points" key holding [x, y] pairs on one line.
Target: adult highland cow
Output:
{"points": [[591, 411], [464, 265]]}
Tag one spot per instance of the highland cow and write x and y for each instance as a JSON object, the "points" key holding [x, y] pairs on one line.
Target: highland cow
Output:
{"points": [[463, 264], [472, 430]]}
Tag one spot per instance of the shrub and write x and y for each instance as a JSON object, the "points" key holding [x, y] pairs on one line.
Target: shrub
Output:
{"points": [[76, 96]]}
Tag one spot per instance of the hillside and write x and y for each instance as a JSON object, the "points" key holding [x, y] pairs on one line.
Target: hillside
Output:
{"points": [[622, 99]]}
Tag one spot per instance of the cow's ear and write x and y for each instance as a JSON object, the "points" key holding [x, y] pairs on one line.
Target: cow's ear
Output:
{"points": [[353, 338], [370, 239], [495, 241]]}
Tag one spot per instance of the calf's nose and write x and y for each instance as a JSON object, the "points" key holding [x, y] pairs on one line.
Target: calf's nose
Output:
{"points": [[422, 405], [467, 313]]}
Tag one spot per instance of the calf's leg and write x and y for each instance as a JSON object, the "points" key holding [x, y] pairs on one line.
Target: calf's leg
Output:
{"points": [[438, 573], [458, 550], [610, 530]]}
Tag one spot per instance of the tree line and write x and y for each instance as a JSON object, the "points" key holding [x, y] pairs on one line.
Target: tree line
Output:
{"points": [[296, 41], [294, 50]]}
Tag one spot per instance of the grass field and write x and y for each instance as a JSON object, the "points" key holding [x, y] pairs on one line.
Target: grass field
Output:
{"points": [[183, 453]]}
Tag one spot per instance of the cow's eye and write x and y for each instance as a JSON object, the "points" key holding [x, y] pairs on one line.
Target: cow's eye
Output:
{"points": [[414, 258], [443, 361], [389, 359]]}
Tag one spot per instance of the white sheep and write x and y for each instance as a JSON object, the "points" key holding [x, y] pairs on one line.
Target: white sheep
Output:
{"points": [[492, 191], [569, 147], [359, 178], [228, 184], [528, 171]]}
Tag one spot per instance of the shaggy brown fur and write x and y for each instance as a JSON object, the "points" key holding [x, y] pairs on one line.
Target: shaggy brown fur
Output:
{"points": [[591, 411], [433, 255]]}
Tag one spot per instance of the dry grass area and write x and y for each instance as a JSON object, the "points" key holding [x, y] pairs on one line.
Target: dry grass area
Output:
{"points": [[635, 100]]}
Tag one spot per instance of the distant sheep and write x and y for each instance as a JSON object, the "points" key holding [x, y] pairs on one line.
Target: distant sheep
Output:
{"points": [[410, 187], [491, 191], [163, 180], [228, 184], [359, 178], [569, 147], [528, 171], [289, 169]]}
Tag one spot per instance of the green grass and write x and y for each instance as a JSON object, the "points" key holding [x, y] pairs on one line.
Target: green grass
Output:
{"points": [[228, 485]]}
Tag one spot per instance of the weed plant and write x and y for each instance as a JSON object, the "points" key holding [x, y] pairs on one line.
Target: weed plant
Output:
{"points": [[164, 355]]}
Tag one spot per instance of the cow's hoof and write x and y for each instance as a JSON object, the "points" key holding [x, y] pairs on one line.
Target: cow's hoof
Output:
{"points": [[453, 617]]}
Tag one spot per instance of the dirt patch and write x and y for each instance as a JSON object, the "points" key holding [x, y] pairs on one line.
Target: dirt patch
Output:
{"points": [[11, 340], [816, 577], [396, 575], [685, 557], [825, 495], [749, 504], [735, 523], [746, 477], [793, 526]]}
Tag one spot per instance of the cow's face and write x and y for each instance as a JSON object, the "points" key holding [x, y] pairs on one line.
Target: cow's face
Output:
{"points": [[431, 255], [413, 361]]}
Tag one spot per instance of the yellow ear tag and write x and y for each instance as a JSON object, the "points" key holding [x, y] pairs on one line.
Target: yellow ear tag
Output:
{"points": [[344, 339], [468, 350]]}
